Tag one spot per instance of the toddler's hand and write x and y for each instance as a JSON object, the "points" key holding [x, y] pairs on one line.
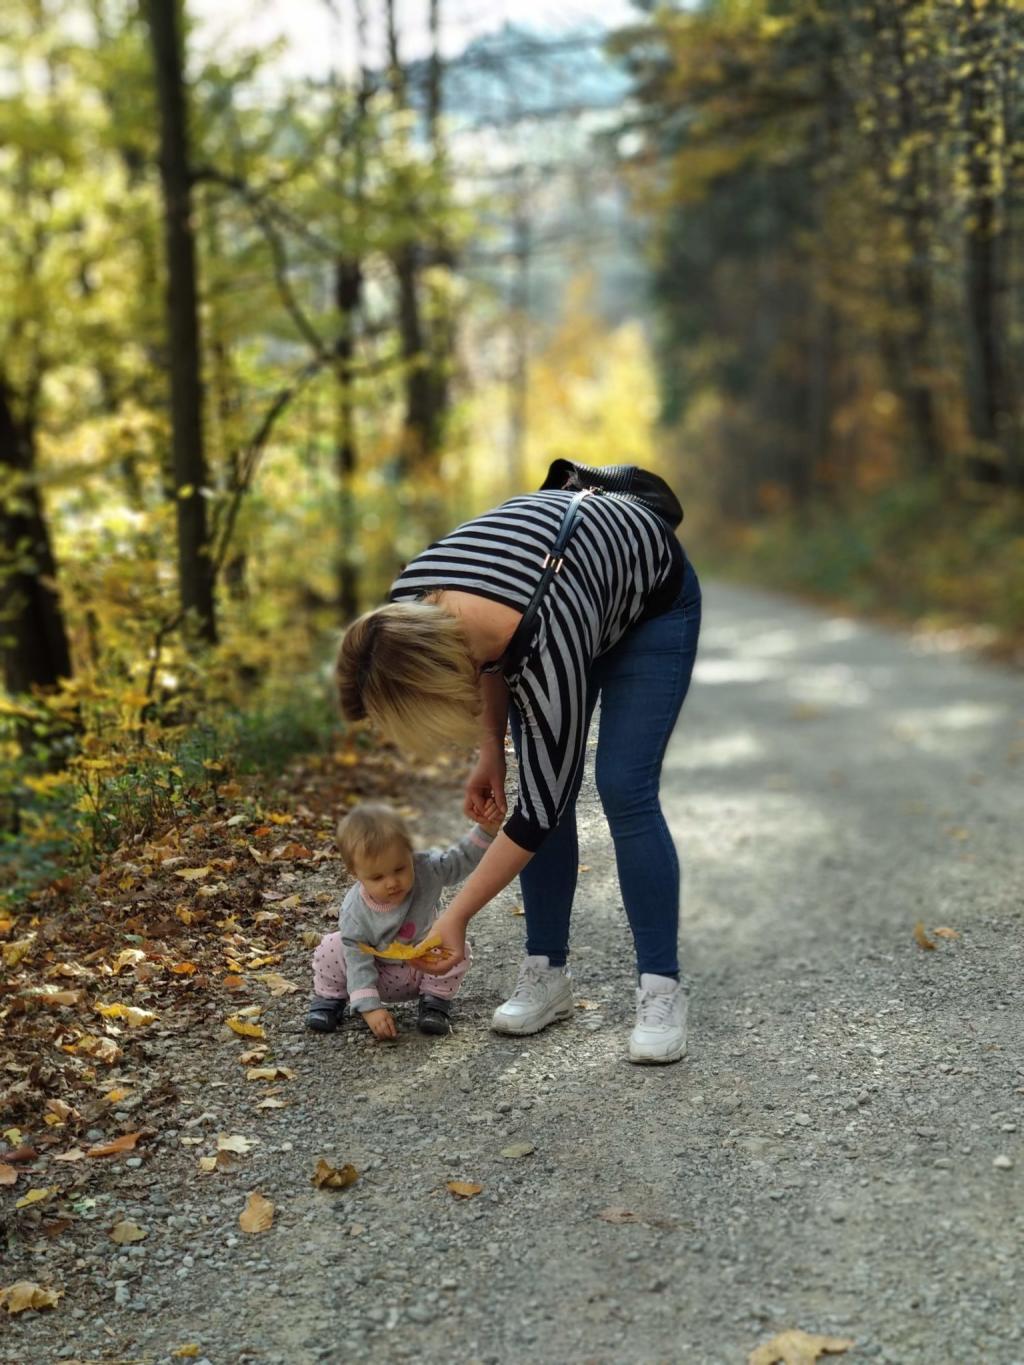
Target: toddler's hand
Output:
{"points": [[381, 1022]]}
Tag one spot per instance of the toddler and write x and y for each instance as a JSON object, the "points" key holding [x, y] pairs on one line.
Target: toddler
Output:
{"points": [[395, 898]]}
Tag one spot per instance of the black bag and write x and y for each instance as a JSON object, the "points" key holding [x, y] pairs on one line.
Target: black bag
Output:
{"points": [[625, 481]]}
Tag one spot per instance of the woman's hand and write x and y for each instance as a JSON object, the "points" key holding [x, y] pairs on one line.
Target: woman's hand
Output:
{"points": [[485, 787], [452, 933]]}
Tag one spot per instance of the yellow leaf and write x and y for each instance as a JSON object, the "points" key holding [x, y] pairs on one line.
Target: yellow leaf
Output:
{"points": [[252, 1054], [125, 1231], [328, 1177], [257, 1215], [280, 818], [464, 1189], [250, 1012], [35, 1196], [945, 933], [311, 938], [797, 1348], [103, 1049], [270, 1073], [128, 957], [188, 1352], [921, 938], [133, 1017], [402, 952], [184, 968], [268, 960], [14, 1136], [193, 874], [244, 1028], [116, 1095], [14, 952], [26, 1294], [207, 1164], [516, 910]]}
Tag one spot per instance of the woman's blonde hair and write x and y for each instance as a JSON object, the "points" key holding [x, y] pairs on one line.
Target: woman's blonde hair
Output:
{"points": [[368, 830], [407, 668]]}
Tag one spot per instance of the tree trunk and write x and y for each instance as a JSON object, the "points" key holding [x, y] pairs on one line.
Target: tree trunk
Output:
{"points": [[994, 409], [195, 572], [33, 640], [348, 284]]}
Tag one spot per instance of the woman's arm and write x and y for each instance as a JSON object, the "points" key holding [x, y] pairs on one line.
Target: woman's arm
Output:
{"points": [[486, 782]]}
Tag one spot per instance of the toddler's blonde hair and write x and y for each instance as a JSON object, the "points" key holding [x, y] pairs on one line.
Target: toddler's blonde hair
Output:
{"points": [[368, 830], [407, 668]]}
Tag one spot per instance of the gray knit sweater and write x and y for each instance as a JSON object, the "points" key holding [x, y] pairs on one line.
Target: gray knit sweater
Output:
{"points": [[363, 920]]}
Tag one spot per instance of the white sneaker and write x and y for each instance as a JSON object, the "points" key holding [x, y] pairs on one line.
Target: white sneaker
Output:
{"points": [[542, 995], [660, 1032]]}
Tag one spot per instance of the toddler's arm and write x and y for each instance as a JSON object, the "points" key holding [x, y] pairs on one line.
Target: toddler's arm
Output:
{"points": [[453, 865]]}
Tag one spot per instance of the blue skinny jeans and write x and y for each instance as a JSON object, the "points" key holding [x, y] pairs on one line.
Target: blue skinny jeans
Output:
{"points": [[642, 683]]}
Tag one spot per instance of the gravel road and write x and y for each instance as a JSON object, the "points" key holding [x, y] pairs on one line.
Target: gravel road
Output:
{"points": [[842, 1151]]}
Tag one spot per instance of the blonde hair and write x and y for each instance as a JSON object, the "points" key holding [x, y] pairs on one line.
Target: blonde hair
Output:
{"points": [[369, 830], [407, 668]]}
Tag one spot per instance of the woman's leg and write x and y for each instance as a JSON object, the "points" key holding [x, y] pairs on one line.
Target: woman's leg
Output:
{"points": [[643, 682], [548, 883]]}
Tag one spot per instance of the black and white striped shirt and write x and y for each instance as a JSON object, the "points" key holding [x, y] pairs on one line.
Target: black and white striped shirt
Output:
{"points": [[622, 565]]}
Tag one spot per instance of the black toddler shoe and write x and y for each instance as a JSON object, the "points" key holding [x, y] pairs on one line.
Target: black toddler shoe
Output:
{"points": [[325, 1018], [434, 1015]]}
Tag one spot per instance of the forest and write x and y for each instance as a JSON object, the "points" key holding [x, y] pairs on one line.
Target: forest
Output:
{"points": [[262, 338]]}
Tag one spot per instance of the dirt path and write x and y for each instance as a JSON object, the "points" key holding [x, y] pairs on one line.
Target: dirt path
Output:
{"points": [[841, 1152]]}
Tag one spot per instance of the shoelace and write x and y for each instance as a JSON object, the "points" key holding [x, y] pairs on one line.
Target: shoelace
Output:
{"points": [[529, 978], [656, 1007]]}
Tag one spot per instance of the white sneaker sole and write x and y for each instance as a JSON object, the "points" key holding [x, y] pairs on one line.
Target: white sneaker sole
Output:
{"points": [[521, 1029], [647, 1059]]}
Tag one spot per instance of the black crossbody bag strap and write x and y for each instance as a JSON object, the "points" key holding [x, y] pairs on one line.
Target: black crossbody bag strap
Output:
{"points": [[553, 562]]}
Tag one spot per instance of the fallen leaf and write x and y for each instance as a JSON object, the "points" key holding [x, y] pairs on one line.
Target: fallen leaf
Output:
{"points": [[36, 1196], [192, 874], [795, 1347], [292, 850], [250, 1012], [8, 1175], [26, 1294], [257, 1215], [244, 1027], [278, 984], [328, 1177], [191, 1350], [252, 1054], [14, 952], [583, 867], [125, 1143], [75, 1154], [464, 1189], [921, 938], [233, 982], [60, 1110], [280, 818], [615, 1214], [945, 933], [207, 1164], [402, 952], [587, 1005], [125, 1231], [183, 969], [51, 999], [270, 1073], [103, 1049], [271, 1103], [127, 957], [236, 1143], [14, 1136], [518, 1149], [311, 938], [133, 1017], [516, 910], [116, 1095]]}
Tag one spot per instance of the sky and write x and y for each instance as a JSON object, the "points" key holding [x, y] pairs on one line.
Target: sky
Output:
{"points": [[318, 42]]}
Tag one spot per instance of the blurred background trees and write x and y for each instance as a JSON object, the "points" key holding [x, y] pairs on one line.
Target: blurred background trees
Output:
{"points": [[267, 326]]}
